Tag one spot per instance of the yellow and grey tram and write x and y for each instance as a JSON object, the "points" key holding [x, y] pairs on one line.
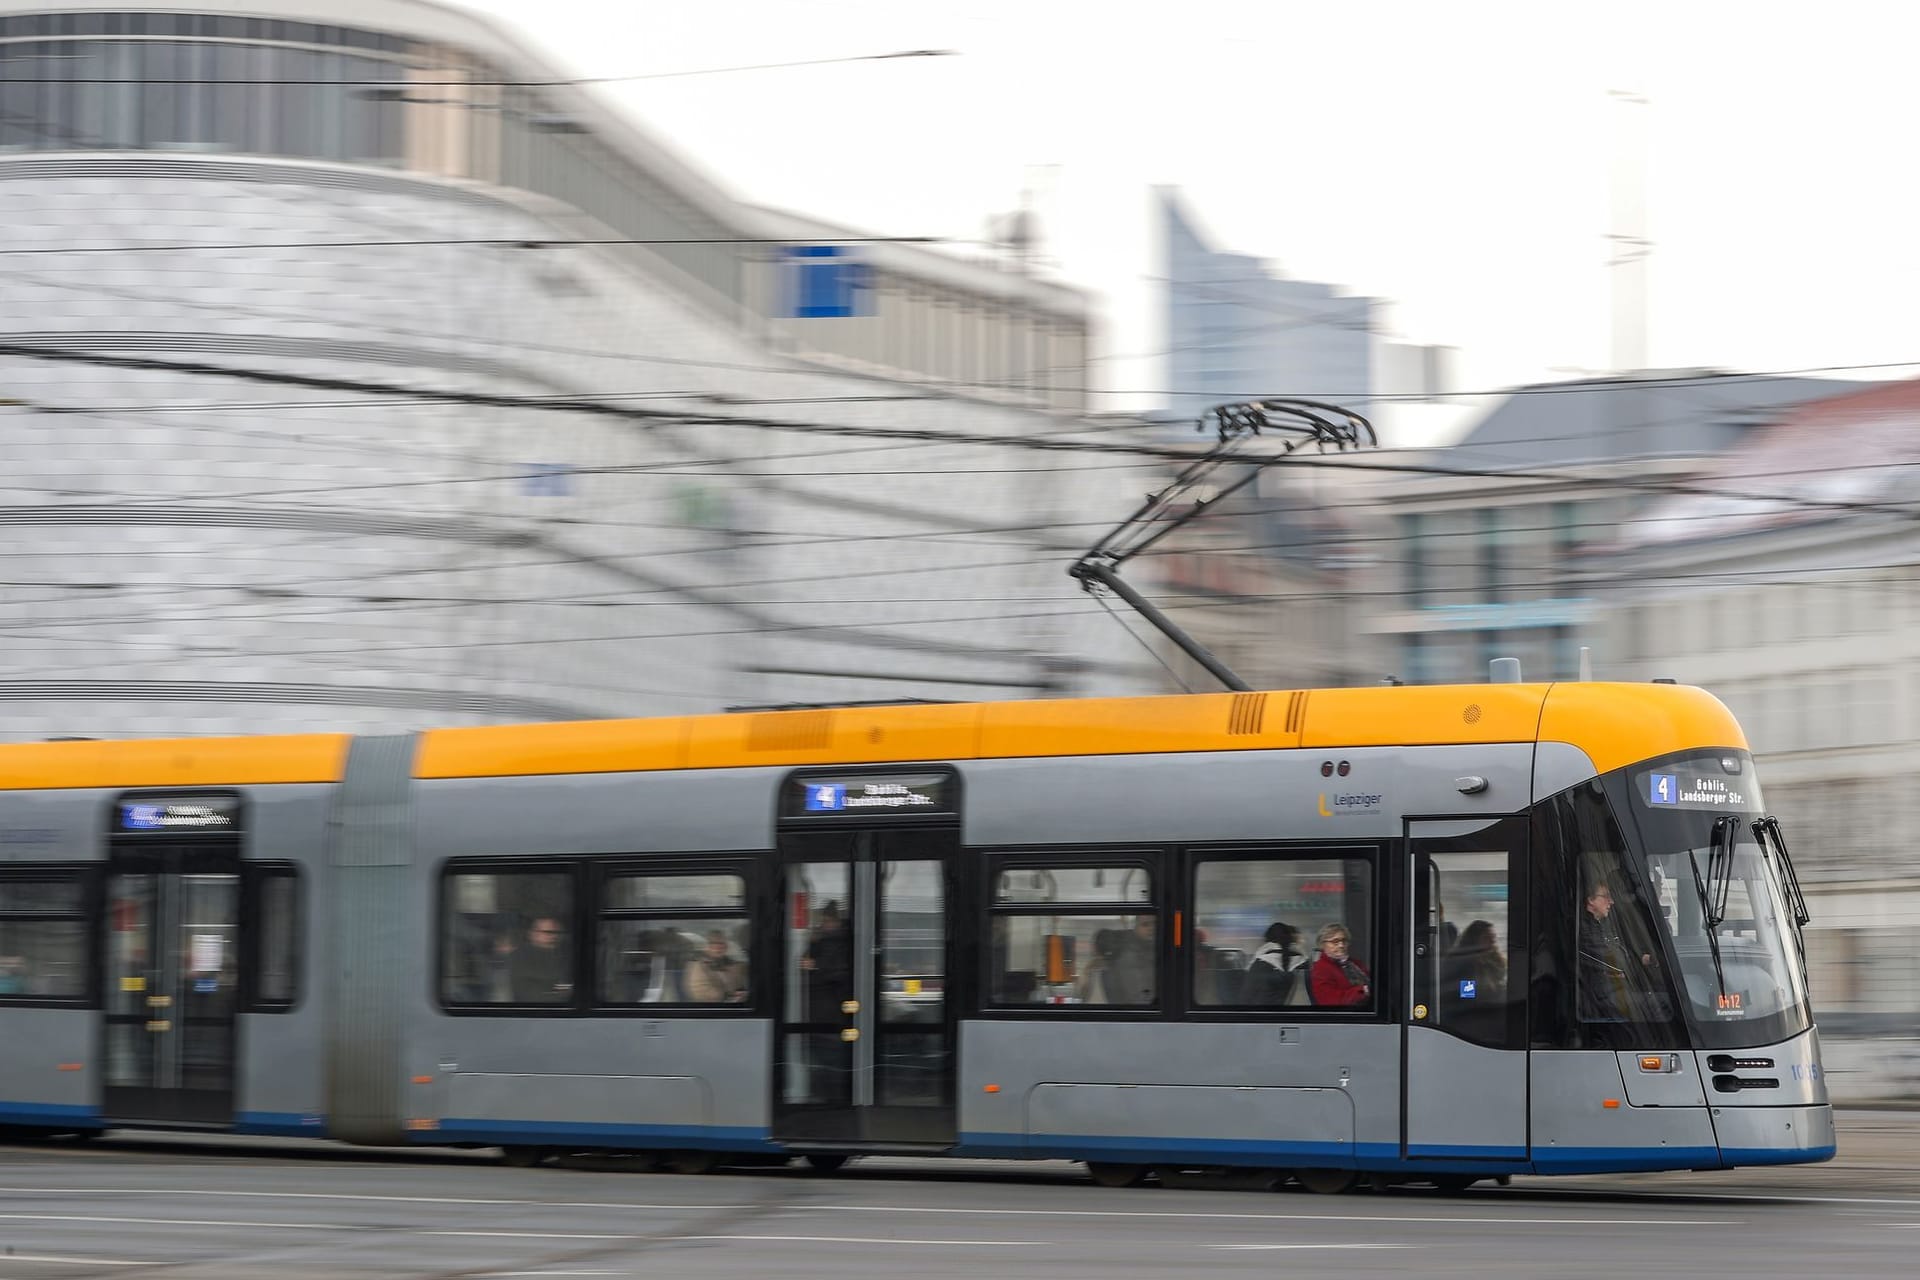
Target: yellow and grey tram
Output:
{"points": [[1430, 933]]}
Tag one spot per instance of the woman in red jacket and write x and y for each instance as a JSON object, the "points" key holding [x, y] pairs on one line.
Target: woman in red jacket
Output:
{"points": [[1336, 981]]}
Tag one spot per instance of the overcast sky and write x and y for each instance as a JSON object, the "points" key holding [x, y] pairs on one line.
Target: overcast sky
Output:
{"points": [[1454, 159]]}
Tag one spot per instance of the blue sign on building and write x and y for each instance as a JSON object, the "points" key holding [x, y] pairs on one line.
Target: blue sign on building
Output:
{"points": [[546, 480], [826, 280]]}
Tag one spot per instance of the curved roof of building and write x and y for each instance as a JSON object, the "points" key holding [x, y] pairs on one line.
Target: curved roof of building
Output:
{"points": [[522, 60], [1642, 416]]}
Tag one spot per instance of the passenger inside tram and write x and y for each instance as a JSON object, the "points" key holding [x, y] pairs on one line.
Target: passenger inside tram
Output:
{"points": [[540, 968], [1336, 980]]}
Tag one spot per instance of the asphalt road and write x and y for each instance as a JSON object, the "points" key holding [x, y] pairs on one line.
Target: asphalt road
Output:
{"points": [[251, 1209]]}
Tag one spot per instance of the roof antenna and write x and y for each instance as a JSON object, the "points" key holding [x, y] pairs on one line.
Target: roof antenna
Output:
{"points": [[1586, 663], [1297, 422], [1504, 671]]}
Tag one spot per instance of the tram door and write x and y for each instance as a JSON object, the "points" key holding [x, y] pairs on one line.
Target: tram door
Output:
{"points": [[172, 962], [865, 1050], [1465, 1020]]}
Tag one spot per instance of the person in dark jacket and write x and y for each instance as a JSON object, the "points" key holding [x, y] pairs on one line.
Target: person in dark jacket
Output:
{"points": [[828, 982], [1130, 974], [1614, 982], [540, 970], [1476, 958], [828, 964], [1273, 975], [1336, 980]]}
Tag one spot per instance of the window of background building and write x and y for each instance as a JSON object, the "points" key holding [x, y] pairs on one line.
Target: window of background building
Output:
{"points": [[1413, 551], [1489, 552], [506, 938], [1565, 536], [43, 936], [673, 938], [1074, 935], [1256, 922]]}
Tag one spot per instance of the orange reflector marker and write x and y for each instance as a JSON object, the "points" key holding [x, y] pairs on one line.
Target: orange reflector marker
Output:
{"points": [[423, 1079], [421, 1126], [71, 1066], [1176, 928], [1611, 1104], [1652, 1062], [993, 1088]]}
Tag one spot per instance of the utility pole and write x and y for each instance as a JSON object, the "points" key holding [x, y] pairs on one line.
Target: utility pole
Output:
{"points": [[1627, 231]]}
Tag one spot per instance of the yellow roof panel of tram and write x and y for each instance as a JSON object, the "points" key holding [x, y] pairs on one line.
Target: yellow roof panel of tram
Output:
{"points": [[174, 762], [1622, 724]]}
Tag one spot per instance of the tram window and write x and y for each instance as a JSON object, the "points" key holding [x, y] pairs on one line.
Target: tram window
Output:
{"points": [[277, 939], [1258, 923], [43, 939], [506, 938], [1596, 977], [1462, 966], [673, 892], [673, 938], [1074, 936], [1035, 885]]}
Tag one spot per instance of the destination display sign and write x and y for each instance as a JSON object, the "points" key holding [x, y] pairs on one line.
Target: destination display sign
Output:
{"points": [[1711, 784], [177, 814], [869, 795]]}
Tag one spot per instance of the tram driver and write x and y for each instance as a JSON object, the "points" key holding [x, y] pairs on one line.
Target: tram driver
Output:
{"points": [[1613, 979]]}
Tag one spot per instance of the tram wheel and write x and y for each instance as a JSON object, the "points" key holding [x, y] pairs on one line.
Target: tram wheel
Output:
{"points": [[524, 1157], [827, 1162], [1326, 1182], [694, 1162], [1116, 1175]]}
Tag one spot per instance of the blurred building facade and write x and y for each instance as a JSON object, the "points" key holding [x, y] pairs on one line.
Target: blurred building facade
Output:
{"points": [[1491, 559], [1268, 582], [381, 194]]}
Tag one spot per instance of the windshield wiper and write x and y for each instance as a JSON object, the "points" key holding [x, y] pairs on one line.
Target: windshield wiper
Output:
{"points": [[1708, 918], [1719, 871], [1769, 826]]}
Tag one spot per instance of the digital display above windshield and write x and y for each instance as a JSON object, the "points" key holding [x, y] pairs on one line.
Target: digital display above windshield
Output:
{"points": [[1703, 783]]}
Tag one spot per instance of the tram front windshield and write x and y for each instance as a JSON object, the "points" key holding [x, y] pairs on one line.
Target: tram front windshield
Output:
{"points": [[1743, 980]]}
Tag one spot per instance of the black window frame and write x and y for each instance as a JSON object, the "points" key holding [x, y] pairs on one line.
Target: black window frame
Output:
{"points": [[87, 879], [1379, 937], [254, 877], [750, 913], [1154, 859], [576, 914]]}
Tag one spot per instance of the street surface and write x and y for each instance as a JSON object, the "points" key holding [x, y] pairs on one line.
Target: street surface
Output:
{"points": [[243, 1209]]}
